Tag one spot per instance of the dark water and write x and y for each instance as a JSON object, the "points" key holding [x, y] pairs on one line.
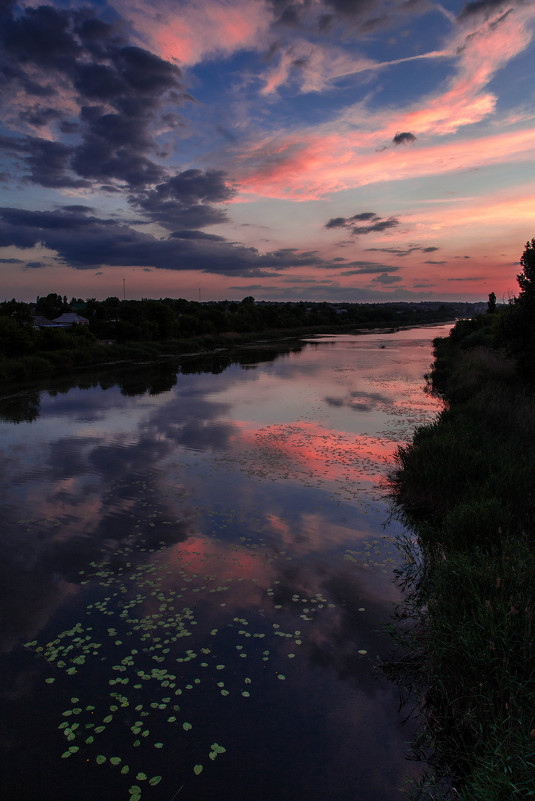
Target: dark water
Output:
{"points": [[195, 568]]}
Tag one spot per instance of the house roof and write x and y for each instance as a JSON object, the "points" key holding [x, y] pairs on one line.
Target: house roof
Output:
{"points": [[69, 318]]}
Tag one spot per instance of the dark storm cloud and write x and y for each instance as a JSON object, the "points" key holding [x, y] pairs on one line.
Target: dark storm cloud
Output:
{"points": [[384, 278], [403, 252], [374, 223], [366, 14], [77, 208], [10, 145], [336, 222], [404, 138], [68, 127], [41, 36], [325, 22], [74, 43], [114, 148], [96, 36], [39, 115], [197, 186], [144, 72], [48, 163], [44, 50], [286, 12], [188, 234], [341, 222], [377, 226], [184, 200], [485, 8], [98, 82], [85, 242], [468, 278], [368, 268], [429, 261], [351, 7]]}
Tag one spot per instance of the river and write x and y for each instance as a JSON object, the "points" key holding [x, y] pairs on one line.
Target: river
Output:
{"points": [[196, 566]]}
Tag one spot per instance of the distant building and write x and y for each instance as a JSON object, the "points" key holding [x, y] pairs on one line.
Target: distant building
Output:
{"points": [[71, 318]]}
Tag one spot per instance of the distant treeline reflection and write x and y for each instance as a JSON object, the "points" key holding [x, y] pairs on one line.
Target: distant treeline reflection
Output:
{"points": [[54, 336], [152, 377]]}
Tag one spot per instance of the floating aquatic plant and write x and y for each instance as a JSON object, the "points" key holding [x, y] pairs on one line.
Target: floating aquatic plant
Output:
{"points": [[133, 641]]}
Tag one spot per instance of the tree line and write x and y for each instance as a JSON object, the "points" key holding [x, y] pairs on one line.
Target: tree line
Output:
{"points": [[168, 319]]}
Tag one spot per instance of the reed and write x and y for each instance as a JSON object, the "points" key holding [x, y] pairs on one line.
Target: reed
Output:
{"points": [[466, 625]]}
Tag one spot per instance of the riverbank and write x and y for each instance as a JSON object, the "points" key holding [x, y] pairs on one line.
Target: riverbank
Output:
{"points": [[21, 370], [465, 488]]}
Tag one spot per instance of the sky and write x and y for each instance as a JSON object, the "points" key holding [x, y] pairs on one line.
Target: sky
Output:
{"points": [[320, 150]]}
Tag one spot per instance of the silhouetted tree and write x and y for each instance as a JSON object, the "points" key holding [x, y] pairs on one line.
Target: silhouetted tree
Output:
{"points": [[526, 279], [52, 305], [517, 326], [21, 312]]}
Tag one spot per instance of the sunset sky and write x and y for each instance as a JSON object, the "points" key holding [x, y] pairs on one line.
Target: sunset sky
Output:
{"points": [[356, 150]]}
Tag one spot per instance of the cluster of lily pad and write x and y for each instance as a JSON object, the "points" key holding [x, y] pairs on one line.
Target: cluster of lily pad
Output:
{"points": [[131, 661], [377, 554]]}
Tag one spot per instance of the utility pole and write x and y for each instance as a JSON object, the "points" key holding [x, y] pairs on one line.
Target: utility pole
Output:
{"points": [[124, 289]]}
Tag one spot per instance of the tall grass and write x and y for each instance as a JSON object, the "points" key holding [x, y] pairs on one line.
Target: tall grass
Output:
{"points": [[466, 486]]}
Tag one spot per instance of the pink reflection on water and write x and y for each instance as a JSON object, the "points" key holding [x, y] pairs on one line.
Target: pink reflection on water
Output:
{"points": [[311, 532], [308, 448], [232, 577]]}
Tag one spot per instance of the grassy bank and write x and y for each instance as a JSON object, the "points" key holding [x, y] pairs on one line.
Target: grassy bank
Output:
{"points": [[31, 346], [64, 361], [466, 488], [83, 355]]}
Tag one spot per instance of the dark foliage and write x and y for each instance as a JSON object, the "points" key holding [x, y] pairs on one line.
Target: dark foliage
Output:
{"points": [[465, 486], [173, 325]]}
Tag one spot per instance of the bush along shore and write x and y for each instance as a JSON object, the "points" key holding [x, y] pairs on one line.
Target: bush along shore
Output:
{"points": [[54, 337], [466, 628]]}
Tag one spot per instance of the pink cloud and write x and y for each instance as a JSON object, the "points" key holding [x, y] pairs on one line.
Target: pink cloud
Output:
{"points": [[313, 67], [306, 169], [189, 32], [353, 150], [474, 212]]}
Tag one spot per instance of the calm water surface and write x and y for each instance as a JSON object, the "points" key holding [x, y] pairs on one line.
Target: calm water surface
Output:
{"points": [[195, 568]]}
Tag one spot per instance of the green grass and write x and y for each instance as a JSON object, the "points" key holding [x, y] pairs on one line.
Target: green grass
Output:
{"points": [[466, 626]]}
